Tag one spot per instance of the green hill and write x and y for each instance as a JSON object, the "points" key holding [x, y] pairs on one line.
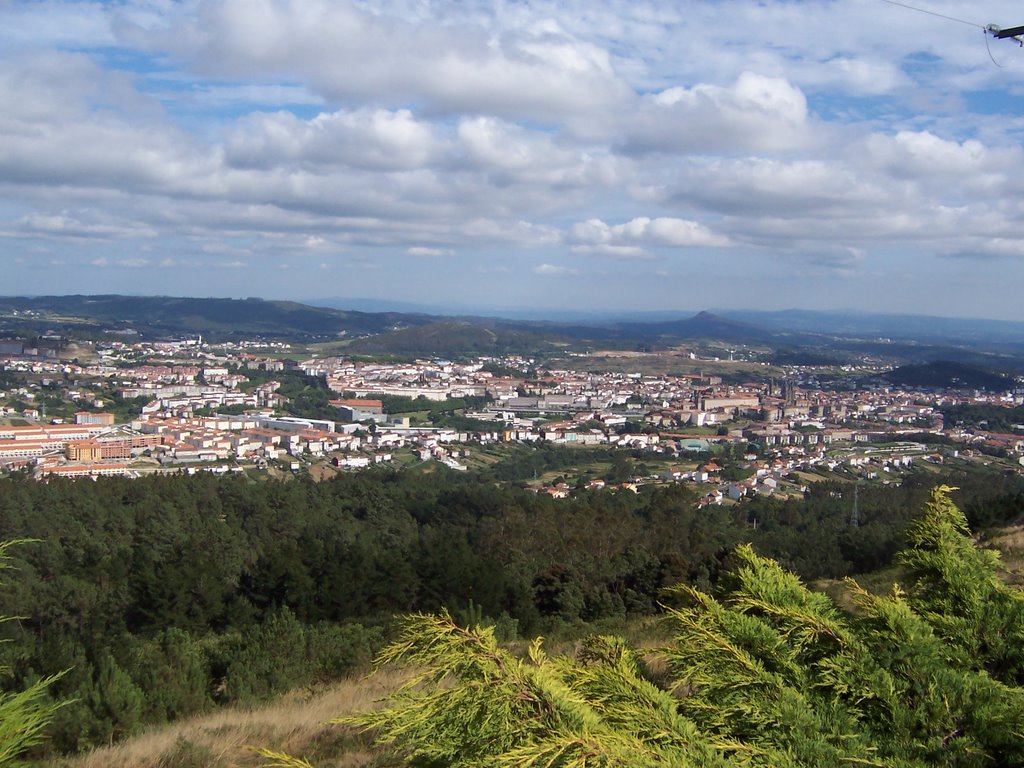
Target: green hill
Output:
{"points": [[949, 374], [453, 338], [168, 315]]}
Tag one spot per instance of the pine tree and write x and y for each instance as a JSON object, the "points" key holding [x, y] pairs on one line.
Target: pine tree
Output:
{"points": [[23, 714], [958, 590]]}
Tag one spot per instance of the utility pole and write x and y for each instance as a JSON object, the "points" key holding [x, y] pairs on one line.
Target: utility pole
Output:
{"points": [[855, 514]]}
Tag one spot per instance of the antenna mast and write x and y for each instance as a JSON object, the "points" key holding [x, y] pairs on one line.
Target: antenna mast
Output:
{"points": [[1014, 33], [855, 514]]}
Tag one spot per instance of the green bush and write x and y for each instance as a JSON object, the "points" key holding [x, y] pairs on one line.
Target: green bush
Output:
{"points": [[172, 672], [270, 658]]}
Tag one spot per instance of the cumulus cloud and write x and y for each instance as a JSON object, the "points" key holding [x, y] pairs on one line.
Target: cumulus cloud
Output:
{"points": [[423, 251], [841, 259], [613, 251], [989, 248], [63, 226], [771, 186], [368, 139], [511, 153], [552, 269], [255, 94], [55, 24], [755, 113], [629, 239], [522, 233], [348, 52], [866, 74], [924, 157]]}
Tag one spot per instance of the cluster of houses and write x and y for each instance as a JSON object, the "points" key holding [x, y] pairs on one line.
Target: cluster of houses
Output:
{"points": [[780, 471], [180, 382]]}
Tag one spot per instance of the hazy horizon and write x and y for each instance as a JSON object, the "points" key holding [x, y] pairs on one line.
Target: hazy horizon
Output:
{"points": [[384, 304]]}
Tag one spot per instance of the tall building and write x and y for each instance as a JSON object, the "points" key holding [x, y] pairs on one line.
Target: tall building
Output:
{"points": [[100, 419]]}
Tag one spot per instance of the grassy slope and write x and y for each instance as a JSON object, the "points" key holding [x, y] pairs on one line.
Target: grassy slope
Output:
{"points": [[1010, 543], [296, 724]]}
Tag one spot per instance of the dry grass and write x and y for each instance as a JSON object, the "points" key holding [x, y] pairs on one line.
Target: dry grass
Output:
{"points": [[323, 470], [1009, 539], [1010, 543], [878, 582], [810, 477], [297, 725]]}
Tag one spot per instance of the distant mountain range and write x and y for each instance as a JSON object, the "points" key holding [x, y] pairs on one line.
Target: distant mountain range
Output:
{"points": [[893, 326], [507, 313], [865, 325], [795, 336]]}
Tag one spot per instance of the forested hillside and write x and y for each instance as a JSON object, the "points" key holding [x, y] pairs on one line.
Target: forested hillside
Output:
{"points": [[225, 318], [169, 595]]}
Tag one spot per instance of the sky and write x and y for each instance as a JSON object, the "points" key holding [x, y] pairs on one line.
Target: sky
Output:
{"points": [[592, 155]]}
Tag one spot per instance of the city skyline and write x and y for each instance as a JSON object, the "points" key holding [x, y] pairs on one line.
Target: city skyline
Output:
{"points": [[548, 156]]}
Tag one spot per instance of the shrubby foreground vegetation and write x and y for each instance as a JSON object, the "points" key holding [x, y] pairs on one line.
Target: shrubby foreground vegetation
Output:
{"points": [[167, 596], [769, 673]]}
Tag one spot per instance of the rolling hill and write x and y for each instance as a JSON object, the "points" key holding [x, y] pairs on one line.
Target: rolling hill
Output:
{"points": [[166, 315], [794, 335]]}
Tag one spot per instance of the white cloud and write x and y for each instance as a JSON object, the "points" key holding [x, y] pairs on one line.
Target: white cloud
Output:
{"points": [[422, 251], [63, 226], [628, 239], [348, 52], [371, 139], [835, 258], [512, 153], [866, 75], [989, 248], [613, 251], [55, 24], [277, 95], [756, 113], [921, 155], [552, 269], [522, 233]]}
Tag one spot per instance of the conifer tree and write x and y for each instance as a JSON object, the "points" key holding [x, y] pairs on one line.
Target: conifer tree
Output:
{"points": [[957, 589], [23, 714]]}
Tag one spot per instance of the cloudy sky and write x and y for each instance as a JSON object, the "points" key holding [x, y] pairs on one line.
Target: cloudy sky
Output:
{"points": [[579, 154]]}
